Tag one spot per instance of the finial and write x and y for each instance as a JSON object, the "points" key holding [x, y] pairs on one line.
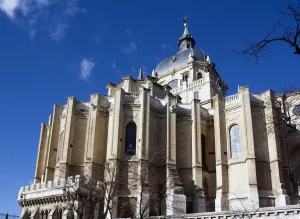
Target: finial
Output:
{"points": [[184, 19], [141, 75], [153, 73], [208, 59]]}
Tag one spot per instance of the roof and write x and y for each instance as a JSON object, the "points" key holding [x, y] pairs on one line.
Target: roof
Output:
{"points": [[179, 60]]}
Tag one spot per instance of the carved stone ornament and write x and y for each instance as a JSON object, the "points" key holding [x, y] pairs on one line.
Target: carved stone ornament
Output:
{"points": [[173, 72], [221, 86], [173, 58], [207, 67], [172, 108]]}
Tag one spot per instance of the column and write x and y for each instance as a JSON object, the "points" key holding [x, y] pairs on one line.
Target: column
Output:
{"points": [[275, 156], [176, 200], [221, 202], [199, 201]]}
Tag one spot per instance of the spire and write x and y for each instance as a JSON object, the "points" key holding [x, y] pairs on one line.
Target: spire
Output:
{"points": [[186, 31], [186, 41], [141, 75]]}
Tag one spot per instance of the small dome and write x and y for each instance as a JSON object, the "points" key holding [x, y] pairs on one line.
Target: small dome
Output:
{"points": [[179, 60]]}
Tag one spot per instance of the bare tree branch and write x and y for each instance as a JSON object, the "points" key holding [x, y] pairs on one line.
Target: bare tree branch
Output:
{"points": [[280, 33]]}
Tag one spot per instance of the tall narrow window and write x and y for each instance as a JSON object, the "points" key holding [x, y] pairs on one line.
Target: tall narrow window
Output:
{"points": [[199, 75], [130, 139], [235, 141]]}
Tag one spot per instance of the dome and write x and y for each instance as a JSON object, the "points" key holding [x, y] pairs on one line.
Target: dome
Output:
{"points": [[179, 60]]}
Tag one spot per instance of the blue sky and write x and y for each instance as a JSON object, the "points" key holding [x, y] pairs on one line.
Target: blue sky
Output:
{"points": [[52, 49]]}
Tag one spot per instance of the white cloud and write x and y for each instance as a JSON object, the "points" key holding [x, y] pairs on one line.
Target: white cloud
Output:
{"points": [[114, 65], [53, 16], [130, 48], [57, 32], [133, 70], [165, 46], [86, 68], [97, 39], [9, 7], [130, 34]]}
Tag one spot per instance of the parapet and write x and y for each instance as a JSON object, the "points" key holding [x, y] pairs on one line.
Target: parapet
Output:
{"points": [[46, 189]]}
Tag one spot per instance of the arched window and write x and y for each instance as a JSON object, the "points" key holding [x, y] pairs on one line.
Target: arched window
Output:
{"points": [[235, 141], [199, 75], [173, 83], [130, 139]]}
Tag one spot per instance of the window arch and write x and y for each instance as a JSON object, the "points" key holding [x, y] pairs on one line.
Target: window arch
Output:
{"points": [[235, 141], [173, 83], [130, 139]]}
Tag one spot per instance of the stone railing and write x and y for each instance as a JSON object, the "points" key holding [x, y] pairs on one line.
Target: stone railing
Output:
{"points": [[178, 90], [188, 87], [46, 189], [232, 98], [290, 211], [196, 83], [132, 95]]}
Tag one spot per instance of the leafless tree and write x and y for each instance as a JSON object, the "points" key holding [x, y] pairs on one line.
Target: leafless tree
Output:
{"points": [[279, 109], [91, 194], [152, 189], [131, 184], [281, 32]]}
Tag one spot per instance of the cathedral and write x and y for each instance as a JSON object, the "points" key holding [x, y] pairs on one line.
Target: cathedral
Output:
{"points": [[210, 152]]}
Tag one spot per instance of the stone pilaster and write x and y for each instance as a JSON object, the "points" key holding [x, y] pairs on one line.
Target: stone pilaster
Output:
{"points": [[247, 142], [94, 146], [115, 128], [143, 129], [199, 201], [41, 151], [51, 154], [66, 150], [46, 151], [275, 156], [221, 202], [176, 200]]}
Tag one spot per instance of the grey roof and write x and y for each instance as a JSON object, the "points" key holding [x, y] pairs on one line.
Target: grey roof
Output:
{"points": [[179, 60]]}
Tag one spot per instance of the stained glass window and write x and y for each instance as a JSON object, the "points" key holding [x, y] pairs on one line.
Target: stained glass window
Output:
{"points": [[130, 139], [235, 141]]}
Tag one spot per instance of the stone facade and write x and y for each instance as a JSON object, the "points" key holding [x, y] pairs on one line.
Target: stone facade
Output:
{"points": [[219, 152]]}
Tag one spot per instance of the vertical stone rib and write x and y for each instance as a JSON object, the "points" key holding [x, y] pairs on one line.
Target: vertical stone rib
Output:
{"points": [[40, 154], [53, 143], [221, 156]]}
